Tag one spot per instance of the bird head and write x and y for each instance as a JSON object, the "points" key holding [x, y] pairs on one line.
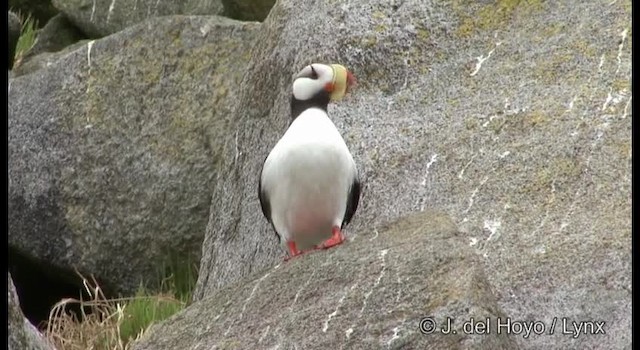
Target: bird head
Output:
{"points": [[321, 79]]}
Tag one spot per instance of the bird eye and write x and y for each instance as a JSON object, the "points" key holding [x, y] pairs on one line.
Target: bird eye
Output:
{"points": [[314, 74]]}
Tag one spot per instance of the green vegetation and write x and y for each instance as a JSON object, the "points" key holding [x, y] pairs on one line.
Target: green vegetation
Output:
{"points": [[113, 324], [28, 34], [143, 310]]}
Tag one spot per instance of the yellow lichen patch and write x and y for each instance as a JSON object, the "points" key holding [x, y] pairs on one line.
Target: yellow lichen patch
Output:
{"points": [[492, 16], [471, 123], [550, 70], [584, 47], [624, 148], [422, 34], [378, 14], [380, 28], [553, 29], [621, 85], [496, 124], [626, 5], [559, 170], [369, 41], [536, 118]]}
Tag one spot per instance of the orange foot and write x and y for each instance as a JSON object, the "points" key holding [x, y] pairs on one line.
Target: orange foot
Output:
{"points": [[293, 251], [336, 238]]}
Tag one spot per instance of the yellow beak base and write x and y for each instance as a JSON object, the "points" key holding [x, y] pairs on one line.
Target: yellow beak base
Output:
{"points": [[339, 82]]}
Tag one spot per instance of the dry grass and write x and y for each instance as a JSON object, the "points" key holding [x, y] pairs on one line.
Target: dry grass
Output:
{"points": [[109, 324]]}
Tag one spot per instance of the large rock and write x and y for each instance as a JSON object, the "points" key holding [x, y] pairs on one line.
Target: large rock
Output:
{"points": [[21, 334], [371, 293], [41, 10], [36, 61], [57, 34], [100, 18], [113, 148], [514, 117], [247, 10]]}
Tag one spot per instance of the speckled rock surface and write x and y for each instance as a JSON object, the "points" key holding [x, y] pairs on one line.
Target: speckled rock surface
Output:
{"points": [[113, 148], [21, 334], [98, 18], [36, 61], [512, 117], [370, 293]]}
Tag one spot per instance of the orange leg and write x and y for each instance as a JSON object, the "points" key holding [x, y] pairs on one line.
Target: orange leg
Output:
{"points": [[336, 238], [293, 250]]}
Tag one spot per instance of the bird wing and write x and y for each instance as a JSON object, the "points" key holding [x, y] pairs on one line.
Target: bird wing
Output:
{"points": [[352, 201], [264, 203]]}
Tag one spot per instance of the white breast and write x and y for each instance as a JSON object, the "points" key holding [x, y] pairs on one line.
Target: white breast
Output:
{"points": [[307, 177]]}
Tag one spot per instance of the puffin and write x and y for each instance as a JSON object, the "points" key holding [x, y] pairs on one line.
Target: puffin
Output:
{"points": [[309, 186]]}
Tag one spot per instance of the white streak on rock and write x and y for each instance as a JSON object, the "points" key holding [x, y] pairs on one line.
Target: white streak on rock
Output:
{"points": [[434, 158], [461, 173], [376, 236], [491, 118], [264, 334], [89, 46], [246, 301], [602, 59], [474, 193], [311, 276], [406, 74], [400, 286], [623, 34], [235, 159], [599, 134], [504, 154], [348, 332], [545, 218], [480, 60], [608, 100], [340, 302], [325, 327], [111, 6], [540, 249], [205, 30], [492, 226], [625, 113], [396, 334], [571, 103], [93, 11], [383, 253]]}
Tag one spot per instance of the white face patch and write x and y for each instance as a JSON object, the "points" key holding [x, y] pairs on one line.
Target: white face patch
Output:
{"points": [[305, 87]]}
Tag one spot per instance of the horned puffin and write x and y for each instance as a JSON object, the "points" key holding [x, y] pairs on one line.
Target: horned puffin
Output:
{"points": [[309, 186]]}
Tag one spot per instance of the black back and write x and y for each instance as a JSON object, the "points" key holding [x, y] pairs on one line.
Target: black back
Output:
{"points": [[319, 100]]}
